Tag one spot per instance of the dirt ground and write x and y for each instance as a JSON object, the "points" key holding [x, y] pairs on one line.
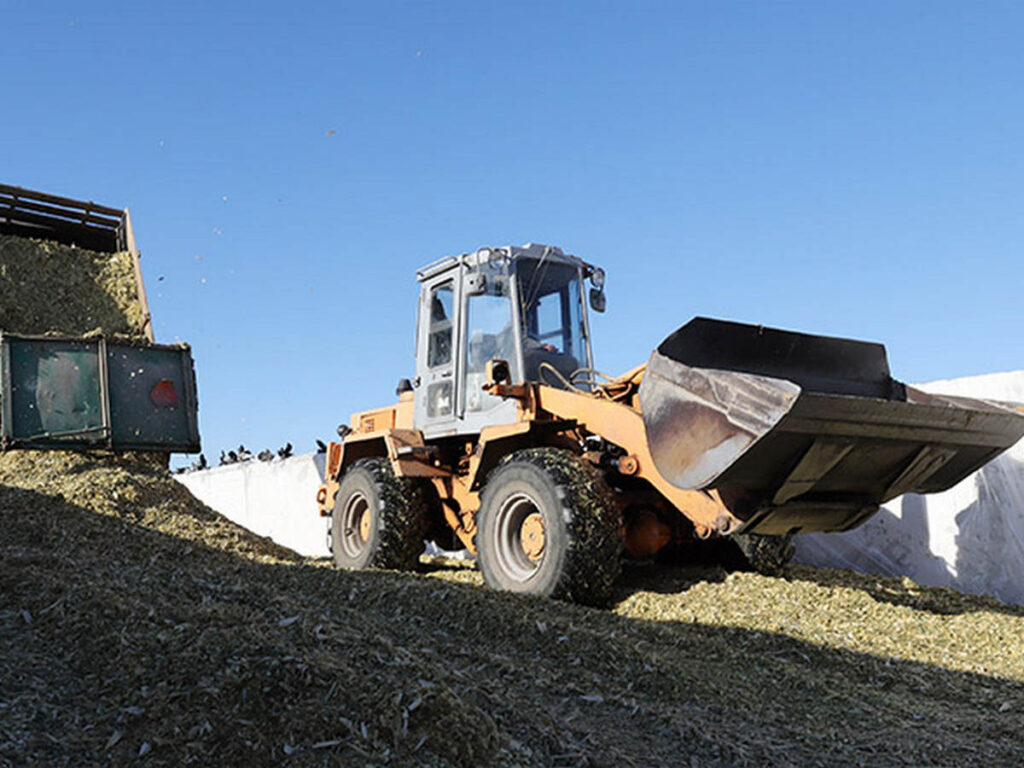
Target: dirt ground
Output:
{"points": [[138, 626]]}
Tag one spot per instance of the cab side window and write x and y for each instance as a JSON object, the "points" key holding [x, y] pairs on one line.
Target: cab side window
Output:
{"points": [[439, 347]]}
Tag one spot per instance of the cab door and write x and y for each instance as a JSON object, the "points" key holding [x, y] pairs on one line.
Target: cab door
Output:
{"points": [[437, 351], [491, 332]]}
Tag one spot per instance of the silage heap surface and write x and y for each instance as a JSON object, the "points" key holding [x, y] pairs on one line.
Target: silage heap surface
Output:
{"points": [[138, 625], [48, 287]]}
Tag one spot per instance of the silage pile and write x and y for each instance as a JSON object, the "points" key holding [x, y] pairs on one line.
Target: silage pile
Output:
{"points": [[48, 287], [137, 626], [136, 622]]}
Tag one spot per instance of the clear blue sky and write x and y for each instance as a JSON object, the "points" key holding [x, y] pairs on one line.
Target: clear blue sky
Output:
{"points": [[851, 168]]}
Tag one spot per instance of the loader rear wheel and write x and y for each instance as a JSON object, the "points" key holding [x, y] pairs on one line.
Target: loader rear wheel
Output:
{"points": [[548, 526], [379, 519]]}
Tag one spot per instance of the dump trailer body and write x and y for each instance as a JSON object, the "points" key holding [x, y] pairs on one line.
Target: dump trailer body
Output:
{"points": [[76, 393], [803, 433]]}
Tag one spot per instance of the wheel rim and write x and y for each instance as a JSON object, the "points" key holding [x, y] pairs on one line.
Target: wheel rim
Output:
{"points": [[520, 536], [532, 536], [356, 523]]}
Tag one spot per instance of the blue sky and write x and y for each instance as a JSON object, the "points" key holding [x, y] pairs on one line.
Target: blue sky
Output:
{"points": [[852, 168]]}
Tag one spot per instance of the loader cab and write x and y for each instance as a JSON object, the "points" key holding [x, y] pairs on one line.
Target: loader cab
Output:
{"points": [[524, 305]]}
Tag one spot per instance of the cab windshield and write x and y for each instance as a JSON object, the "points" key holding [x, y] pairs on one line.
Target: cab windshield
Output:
{"points": [[551, 309]]}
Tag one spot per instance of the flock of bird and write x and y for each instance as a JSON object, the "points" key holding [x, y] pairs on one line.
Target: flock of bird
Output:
{"points": [[242, 454]]}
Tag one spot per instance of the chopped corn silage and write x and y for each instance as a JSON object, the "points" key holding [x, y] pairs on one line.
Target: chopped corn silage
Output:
{"points": [[135, 620], [48, 287]]}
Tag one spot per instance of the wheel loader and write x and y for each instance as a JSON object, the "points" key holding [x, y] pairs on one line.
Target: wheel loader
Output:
{"points": [[510, 443]]}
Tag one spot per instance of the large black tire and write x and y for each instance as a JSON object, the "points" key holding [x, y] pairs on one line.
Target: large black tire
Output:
{"points": [[379, 519], [767, 555], [548, 526]]}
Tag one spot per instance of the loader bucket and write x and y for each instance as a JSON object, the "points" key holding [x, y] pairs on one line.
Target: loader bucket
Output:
{"points": [[803, 433]]}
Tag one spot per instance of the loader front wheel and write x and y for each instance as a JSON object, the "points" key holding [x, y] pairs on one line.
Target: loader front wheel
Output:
{"points": [[379, 520], [548, 526]]}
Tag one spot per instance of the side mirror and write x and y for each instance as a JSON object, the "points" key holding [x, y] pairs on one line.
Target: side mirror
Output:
{"points": [[497, 372], [597, 300]]}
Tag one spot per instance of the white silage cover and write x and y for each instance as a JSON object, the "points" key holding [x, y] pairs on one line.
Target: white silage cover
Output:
{"points": [[970, 537]]}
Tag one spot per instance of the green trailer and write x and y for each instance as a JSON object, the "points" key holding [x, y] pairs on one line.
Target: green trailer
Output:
{"points": [[77, 393]]}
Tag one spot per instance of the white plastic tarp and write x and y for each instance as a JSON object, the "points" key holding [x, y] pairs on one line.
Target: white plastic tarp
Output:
{"points": [[271, 498], [970, 537]]}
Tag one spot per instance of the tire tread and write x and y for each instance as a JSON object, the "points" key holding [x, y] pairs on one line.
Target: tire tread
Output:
{"points": [[594, 547], [402, 516]]}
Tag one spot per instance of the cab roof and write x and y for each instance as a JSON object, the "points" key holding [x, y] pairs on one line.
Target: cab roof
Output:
{"points": [[511, 252]]}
